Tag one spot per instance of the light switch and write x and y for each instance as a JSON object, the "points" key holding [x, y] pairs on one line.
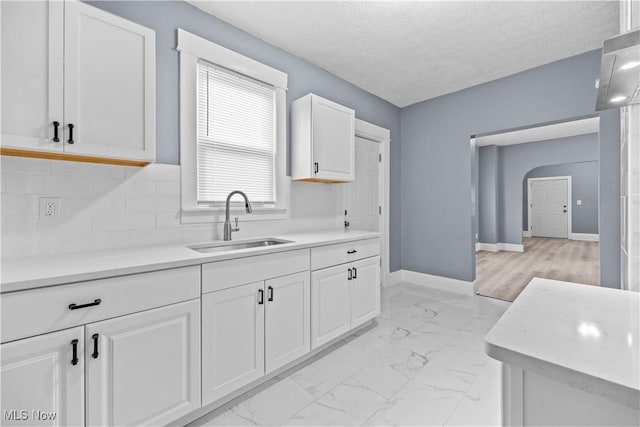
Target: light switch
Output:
{"points": [[579, 202]]}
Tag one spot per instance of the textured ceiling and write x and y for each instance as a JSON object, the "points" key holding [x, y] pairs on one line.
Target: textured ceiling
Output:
{"points": [[406, 52]]}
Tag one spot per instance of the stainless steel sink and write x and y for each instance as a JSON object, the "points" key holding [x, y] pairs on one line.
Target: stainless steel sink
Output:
{"points": [[234, 246]]}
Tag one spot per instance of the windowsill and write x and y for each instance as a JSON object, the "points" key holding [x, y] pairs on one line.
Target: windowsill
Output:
{"points": [[208, 215]]}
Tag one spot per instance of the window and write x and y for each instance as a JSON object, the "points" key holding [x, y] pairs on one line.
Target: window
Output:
{"points": [[232, 132]]}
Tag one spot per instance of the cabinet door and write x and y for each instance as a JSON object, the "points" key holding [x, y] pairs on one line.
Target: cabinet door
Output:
{"points": [[365, 290], [40, 384], [287, 319], [232, 339], [329, 304], [109, 84], [32, 67], [144, 368], [333, 129]]}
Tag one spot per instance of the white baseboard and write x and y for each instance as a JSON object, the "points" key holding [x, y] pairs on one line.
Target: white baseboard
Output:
{"points": [[395, 277], [491, 247], [526, 234], [513, 247], [495, 247], [585, 236], [439, 282]]}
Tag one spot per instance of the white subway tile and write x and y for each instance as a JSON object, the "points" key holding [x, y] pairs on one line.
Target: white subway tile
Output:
{"points": [[104, 186], [152, 204], [138, 186], [69, 185], [25, 164], [88, 170], [200, 233], [14, 225], [154, 237], [168, 188], [27, 183], [3, 182], [25, 245], [124, 221], [167, 219], [156, 171], [19, 204], [64, 242]]}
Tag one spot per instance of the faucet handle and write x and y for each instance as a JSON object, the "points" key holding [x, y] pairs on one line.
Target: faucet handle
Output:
{"points": [[236, 228]]}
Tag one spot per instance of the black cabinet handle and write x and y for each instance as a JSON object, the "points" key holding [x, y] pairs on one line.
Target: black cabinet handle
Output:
{"points": [[270, 297], [315, 166], [74, 357], [260, 296], [70, 140], [90, 304], [352, 251], [355, 273], [350, 274], [55, 132], [95, 346]]}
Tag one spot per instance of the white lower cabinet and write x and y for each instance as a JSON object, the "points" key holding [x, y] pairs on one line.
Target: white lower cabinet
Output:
{"points": [[144, 368], [365, 290], [287, 320], [330, 297], [232, 339], [343, 297], [251, 330], [43, 380]]}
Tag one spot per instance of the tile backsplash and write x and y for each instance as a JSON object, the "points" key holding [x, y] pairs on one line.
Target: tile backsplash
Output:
{"points": [[108, 207]]}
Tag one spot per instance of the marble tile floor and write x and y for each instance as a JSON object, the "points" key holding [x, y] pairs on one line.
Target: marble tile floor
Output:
{"points": [[421, 364]]}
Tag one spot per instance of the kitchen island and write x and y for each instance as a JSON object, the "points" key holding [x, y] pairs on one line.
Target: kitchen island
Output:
{"points": [[570, 355]]}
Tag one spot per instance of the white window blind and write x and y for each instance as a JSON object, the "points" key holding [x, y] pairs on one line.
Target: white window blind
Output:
{"points": [[236, 136]]}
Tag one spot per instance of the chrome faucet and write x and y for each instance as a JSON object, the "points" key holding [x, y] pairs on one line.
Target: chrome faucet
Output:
{"points": [[227, 224]]}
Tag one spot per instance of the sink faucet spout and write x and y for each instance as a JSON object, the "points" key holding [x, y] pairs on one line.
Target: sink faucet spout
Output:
{"points": [[228, 229]]}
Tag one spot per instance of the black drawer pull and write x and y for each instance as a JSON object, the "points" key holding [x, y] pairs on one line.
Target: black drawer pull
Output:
{"points": [[74, 357], [95, 346], [352, 251], [355, 273], [270, 298], [315, 167], [350, 274], [260, 296], [90, 304], [55, 131], [70, 140]]}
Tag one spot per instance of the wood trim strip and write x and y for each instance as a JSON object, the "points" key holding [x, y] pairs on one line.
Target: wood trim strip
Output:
{"points": [[16, 152]]}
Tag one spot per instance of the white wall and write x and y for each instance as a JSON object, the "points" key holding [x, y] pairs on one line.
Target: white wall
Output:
{"points": [[106, 207]]}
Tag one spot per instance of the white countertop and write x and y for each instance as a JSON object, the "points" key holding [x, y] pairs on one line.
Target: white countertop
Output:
{"points": [[585, 336], [38, 271]]}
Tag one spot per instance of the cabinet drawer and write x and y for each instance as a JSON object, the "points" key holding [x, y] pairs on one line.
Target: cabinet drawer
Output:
{"points": [[37, 311], [326, 256], [227, 274]]}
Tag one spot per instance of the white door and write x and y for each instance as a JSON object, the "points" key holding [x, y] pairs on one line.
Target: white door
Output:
{"points": [[361, 196], [287, 319], [32, 74], [330, 304], [232, 339], [42, 381], [549, 208], [365, 290], [109, 84], [333, 128], [144, 368]]}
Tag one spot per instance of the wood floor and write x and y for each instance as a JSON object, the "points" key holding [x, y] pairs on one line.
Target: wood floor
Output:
{"points": [[505, 274]]}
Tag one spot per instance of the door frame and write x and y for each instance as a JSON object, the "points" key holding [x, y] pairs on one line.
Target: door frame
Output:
{"points": [[382, 136], [567, 179]]}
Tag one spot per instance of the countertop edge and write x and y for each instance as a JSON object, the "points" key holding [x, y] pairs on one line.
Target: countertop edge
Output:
{"points": [[190, 258], [610, 390]]}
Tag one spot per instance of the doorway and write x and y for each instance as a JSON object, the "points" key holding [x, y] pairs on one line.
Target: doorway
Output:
{"points": [[549, 209]]}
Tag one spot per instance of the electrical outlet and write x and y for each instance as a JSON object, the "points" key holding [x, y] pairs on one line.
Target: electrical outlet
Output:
{"points": [[49, 208]]}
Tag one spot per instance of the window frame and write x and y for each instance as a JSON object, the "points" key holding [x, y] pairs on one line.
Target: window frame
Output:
{"points": [[191, 49]]}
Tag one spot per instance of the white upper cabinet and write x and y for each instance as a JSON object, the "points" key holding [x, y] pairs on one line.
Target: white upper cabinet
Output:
{"points": [[85, 72], [32, 74], [322, 140]]}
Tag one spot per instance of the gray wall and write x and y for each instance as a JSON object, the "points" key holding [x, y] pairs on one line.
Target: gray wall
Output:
{"points": [[436, 216], [584, 187], [488, 193], [165, 16]]}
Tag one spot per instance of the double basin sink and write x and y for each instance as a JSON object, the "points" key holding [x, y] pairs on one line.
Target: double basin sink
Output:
{"points": [[226, 246]]}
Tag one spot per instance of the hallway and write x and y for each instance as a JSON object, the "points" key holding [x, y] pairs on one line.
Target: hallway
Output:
{"points": [[504, 274]]}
